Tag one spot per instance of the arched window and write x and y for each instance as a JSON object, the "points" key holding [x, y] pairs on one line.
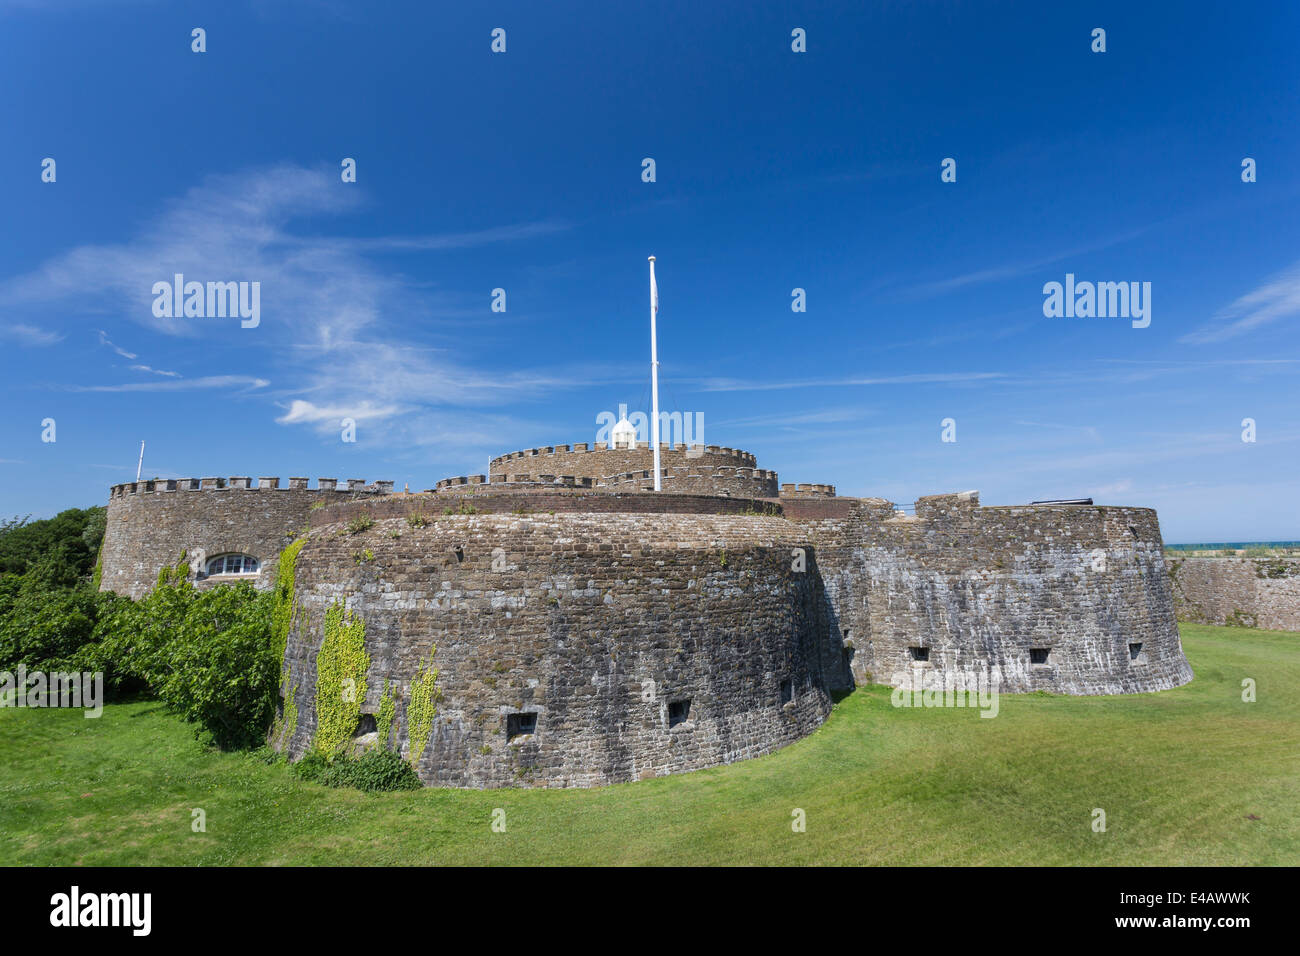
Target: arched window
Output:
{"points": [[232, 564]]}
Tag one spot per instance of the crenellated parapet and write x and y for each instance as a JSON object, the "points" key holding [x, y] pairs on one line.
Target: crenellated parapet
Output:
{"points": [[150, 524], [698, 480], [733, 456], [160, 485], [805, 490], [470, 482]]}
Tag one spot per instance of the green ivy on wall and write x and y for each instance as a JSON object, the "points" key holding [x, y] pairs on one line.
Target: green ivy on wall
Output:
{"points": [[282, 610], [387, 711], [341, 667], [281, 618], [422, 707], [283, 733]]}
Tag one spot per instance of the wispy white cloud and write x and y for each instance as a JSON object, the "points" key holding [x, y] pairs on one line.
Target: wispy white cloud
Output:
{"points": [[248, 227], [104, 340], [1121, 487], [246, 382], [1277, 298], [305, 412], [1014, 270], [29, 335], [828, 416], [334, 321], [1089, 430], [920, 378]]}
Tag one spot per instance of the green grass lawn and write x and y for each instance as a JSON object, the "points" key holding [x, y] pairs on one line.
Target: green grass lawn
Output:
{"points": [[1179, 774]]}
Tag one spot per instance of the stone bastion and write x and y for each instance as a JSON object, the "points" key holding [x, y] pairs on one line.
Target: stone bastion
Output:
{"points": [[580, 639], [1064, 599], [686, 469]]}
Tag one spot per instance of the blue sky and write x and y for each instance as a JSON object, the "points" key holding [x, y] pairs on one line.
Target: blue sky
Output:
{"points": [[775, 170]]}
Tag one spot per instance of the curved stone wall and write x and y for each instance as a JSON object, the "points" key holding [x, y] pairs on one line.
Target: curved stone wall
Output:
{"points": [[699, 480], [151, 523], [975, 588], [598, 460], [597, 624]]}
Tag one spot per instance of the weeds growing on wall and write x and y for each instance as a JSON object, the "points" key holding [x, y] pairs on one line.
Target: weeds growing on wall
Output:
{"points": [[341, 667], [384, 719], [282, 610], [421, 708], [281, 620]]}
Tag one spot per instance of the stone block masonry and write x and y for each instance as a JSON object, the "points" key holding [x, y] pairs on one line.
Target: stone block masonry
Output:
{"points": [[1072, 600], [588, 630], [1244, 592], [634, 644], [151, 523]]}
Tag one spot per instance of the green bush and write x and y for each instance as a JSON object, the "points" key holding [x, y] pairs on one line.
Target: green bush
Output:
{"points": [[70, 539], [312, 766], [209, 655], [378, 769], [220, 671]]}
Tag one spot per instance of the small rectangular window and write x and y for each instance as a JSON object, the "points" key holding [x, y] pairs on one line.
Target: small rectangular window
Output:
{"points": [[1038, 655], [520, 725], [678, 712], [787, 691], [1134, 650], [920, 653]]}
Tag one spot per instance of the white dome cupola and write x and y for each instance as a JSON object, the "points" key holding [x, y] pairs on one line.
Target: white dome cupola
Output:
{"points": [[623, 435]]}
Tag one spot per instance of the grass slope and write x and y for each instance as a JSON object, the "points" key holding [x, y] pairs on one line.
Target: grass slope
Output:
{"points": [[1178, 773]]}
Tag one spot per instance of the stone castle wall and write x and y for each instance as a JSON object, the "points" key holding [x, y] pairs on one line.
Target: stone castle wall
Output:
{"points": [[594, 622], [974, 588], [151, 523], [1246, 592], [565, 589], [699, 480], [598, 460]]}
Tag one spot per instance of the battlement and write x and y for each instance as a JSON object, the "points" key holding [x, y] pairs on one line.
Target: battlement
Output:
{"points": [[807, 491], [741, 458], [239, 483], [469, 481], [958, 505]]}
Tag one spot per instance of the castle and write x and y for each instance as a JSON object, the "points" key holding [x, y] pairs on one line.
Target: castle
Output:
{"points": [[588, 629]]}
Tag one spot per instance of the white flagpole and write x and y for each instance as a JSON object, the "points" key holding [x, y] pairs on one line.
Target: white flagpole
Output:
{"points": [[654, 374], [139, 464]]}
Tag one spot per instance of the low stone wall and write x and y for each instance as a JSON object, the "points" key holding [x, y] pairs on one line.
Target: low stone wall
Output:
{"points": [[1244, 592]]}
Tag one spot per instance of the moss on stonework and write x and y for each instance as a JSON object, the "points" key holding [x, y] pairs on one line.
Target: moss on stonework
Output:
{"points": [[288, 723], [384, 719], [341, 667], [174, 575], [282, 608], [422, 707]]}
